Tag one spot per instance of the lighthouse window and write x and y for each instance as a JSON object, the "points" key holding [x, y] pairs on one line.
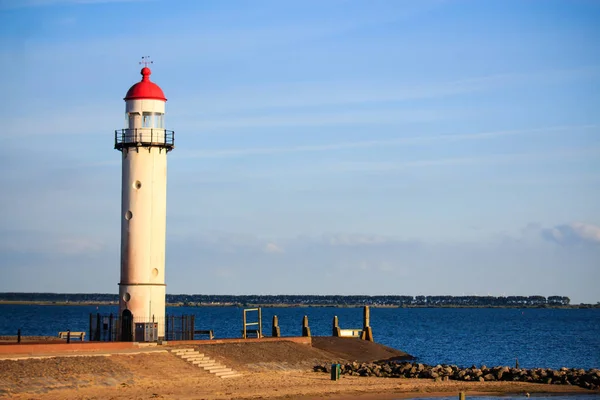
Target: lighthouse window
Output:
{"points": [[152, 120], [147, 120], [132, 120], [158, 121]]}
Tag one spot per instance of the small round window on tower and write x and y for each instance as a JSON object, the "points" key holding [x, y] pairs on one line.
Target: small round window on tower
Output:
{"points": [[137, 184], [126, 297], [154, 272], [128, 215]]}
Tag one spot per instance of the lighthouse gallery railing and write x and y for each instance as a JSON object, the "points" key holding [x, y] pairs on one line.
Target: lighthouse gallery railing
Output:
{"points": [[144, 137]]}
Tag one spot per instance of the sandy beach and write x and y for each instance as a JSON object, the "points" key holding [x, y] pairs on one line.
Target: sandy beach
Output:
{"points": [[275, 370]]}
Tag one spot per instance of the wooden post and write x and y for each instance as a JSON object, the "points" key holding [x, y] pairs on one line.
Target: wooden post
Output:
{"points": [[244, 333], [462, 396], [305, 327], [336, 327], [276, 331], [367, 333], [259, 322], [68, 336], [19, 335], [91, 319]]}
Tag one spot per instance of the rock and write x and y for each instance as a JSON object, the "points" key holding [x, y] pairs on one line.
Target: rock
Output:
{"points": [[501, 372], [442, 373], [489, 377], [426, 374]]}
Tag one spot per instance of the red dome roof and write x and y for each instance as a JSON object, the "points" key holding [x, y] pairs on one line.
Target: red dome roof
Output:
{"points": [[145, 89]]}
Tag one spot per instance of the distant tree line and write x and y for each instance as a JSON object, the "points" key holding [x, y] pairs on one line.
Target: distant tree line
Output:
{"points": [[309, 300]]}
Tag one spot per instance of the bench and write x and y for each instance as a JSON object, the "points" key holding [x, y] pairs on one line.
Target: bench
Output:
{"points": [[73, 335], [351, 333], [205, 332]]}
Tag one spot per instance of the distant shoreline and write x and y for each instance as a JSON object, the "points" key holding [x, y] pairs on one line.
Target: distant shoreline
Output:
{"points": [[285, 305]]}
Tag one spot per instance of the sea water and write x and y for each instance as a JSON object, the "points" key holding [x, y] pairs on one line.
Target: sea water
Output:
{"points": [[538, 338]]}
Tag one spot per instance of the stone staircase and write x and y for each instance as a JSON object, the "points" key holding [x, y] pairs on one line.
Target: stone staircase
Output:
{"points": [[206, 363]]}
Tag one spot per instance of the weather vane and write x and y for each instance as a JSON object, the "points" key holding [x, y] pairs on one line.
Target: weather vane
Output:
{"points": [[146, 61]]}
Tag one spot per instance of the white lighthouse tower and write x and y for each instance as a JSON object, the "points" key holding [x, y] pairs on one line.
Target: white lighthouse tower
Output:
{"points": [[144, 144]]}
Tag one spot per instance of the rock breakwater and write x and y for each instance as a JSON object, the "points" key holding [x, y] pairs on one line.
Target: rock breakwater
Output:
{"points": [[589, 379]]}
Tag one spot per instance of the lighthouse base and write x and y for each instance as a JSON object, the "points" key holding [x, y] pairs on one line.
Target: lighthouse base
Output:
{"points": [[142, 304]]}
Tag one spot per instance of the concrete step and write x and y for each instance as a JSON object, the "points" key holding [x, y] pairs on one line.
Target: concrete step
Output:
{"points": [[203, 361], [207, 365], [219, 368], [232, 375], [191, 355], [184, 351], [194, 359], [224, 373]]}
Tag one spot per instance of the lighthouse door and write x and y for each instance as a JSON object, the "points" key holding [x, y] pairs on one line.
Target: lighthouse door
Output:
{"points": [[127, 326]]}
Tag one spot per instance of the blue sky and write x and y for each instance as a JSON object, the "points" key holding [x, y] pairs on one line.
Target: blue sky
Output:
{"points": [[322, 147]]}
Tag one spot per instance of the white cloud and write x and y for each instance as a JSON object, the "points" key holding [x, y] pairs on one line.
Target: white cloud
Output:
{"points": [[572, 234], [272, 248]]}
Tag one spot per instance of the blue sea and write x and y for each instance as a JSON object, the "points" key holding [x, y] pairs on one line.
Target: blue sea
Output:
{"points": [[546, 338]]}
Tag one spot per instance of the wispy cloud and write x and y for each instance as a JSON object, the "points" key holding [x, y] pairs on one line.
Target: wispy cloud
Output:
{"points": [[341, 239], [457, 161], [378, 117], [404, 141], [49, 243], [331, 92]]}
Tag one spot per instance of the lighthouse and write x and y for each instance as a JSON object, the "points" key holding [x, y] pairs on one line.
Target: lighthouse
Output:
{"points": [[144, 144]]}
